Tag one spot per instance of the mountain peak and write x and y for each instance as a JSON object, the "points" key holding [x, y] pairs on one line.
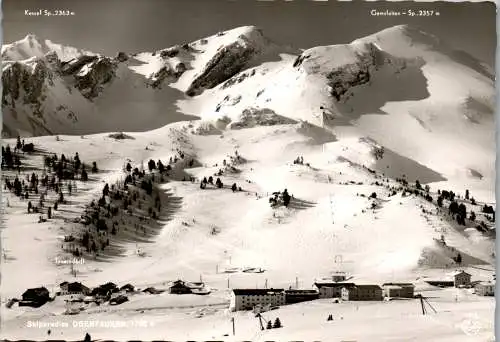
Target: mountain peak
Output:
{"points": [[408, 41], [247, 29], [31, 37], [404, 35], [32, 41], [34, 46], [403, 28], [249, 33]]}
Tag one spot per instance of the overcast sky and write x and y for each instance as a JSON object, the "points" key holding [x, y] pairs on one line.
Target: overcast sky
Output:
{"points": [[109, 26]]}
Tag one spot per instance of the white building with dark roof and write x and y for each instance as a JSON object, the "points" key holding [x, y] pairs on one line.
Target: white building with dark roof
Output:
{"points": [[74, 288], [485, 288], [247, 299]]}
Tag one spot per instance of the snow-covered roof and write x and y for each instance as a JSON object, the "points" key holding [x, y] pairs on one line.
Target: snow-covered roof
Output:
{"points": [[485, 283], [399, 284], [393, 287]]}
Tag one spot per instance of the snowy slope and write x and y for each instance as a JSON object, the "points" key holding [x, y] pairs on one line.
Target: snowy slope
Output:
{"points": [[373, 246], [250, 232]]}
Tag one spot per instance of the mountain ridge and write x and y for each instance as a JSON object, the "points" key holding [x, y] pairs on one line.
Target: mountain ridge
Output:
{"points": [[33, 46], [200, 65], [397, 77]]}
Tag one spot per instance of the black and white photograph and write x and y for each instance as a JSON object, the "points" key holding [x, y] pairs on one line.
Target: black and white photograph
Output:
{"points": [[243, 170]]}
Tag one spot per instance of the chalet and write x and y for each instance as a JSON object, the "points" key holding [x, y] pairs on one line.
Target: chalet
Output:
{"points": [[247, 299], [105, 290], [331, 289], [35, 297], [461, 278], [362, 292], [485, 288], [398, 290], [180, 287], [127, 288], [73, 289], [297, 296]]}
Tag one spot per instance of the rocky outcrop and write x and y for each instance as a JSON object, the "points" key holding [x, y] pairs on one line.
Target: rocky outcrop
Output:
{"points": [[34, 84], [121, 57], [187, 47], [252, 117], [347, 76], [160, 76], [238, 79], [228, 101], [93, 76], [26, 83], [180, 69], [170, 52], [366, 59], [75, 64], [167, 74], [227, 62], [298, 61], [341, 80], [53, 61], [11, 84]]}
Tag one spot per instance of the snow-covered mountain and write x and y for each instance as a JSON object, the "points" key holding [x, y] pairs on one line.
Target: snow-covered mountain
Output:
{"points": [[51, 89], [403, 88], [33, 46], [54, 89]]}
